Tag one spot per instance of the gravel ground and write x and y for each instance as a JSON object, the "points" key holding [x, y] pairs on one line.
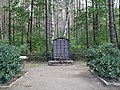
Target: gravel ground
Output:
{"points": [[73, 77]]}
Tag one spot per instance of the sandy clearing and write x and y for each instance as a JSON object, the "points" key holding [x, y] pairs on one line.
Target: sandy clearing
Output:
{"points": [[73, 77]]}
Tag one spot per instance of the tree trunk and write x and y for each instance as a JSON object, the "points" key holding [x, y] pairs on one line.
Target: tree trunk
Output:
{"points": [[31, 18], [119, 15], [67, 18], [9, 29], [52, 21], [94, 36], [80, 23], [116, 35], [95, 21], [28, 31], [87, 34], [75, 18], [111, 22], [47, 32], [107, 28], [77, 23], [13, 31], [4, 23], [22, 35], [2, 30]]}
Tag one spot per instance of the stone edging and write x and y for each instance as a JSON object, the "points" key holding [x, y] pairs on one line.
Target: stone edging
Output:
{"points": [[104, 81], [14, 81]]}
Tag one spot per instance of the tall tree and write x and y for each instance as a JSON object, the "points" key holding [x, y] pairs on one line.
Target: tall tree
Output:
{"points": [[87, 34], [4, 22], [77, 22], [116, 35], [95, 20], [67, 17], [46, 27], [28, 31], [9, 29], [119, 15], [111, 22], [13, 30], [75, 18], [52, 25], [31, 19], [94, 35]]}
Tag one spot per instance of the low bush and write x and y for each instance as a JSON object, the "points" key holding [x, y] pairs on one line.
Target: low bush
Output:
{"points": [[104, 60], [10, 63]]}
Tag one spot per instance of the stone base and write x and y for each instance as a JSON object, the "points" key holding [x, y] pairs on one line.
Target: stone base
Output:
{"points": [[61, 62]]}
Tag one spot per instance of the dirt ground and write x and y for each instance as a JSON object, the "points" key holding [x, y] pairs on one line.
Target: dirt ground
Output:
{"points": [[73, 77]]}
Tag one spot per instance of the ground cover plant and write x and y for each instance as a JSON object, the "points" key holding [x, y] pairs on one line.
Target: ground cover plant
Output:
{"points": [[10, 63], [104, 61]]}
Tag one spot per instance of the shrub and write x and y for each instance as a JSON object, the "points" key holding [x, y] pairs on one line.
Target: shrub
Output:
{"points": [[10, 63], [104, 60]]}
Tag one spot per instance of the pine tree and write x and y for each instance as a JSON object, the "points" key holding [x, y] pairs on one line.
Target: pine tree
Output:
{"points": [[111, 22], [31, 23], [9, 29], [87, 33]]}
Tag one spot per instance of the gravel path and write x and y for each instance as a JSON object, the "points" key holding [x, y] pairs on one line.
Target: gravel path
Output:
{"points": [[73, 77]]}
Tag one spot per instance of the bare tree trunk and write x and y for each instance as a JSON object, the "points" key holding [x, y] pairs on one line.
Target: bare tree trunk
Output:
{"points": [[47, 32], [13, 31], [75, 18], [4, 23], [116, 35], [28, 31], [31, 27], [2, 30], [9, 29], [119, 15], [80, 25], [107, 27], [22, 35], [52, 21], [67, 18], [87, 34], [77, 21], [57, 23], [111, 22], [95, 20], [39, 21], [107, 23], [94, 36]]}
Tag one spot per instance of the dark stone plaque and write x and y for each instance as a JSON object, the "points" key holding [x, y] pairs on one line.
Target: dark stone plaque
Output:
{"points": [[61, 49]]}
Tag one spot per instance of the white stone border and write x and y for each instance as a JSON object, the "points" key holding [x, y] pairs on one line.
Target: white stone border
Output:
{"points": [[14, 81], [104, 81]]}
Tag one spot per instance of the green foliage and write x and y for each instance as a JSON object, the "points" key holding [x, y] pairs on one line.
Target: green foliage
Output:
{"points": [[39, 42], [10, 63], [21, 21], [76, 48], [24, 48], [104, 60]]}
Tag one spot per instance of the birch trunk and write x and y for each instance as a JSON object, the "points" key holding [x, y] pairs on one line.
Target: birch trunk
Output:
{"points": [[52, 20], [67, 17]]}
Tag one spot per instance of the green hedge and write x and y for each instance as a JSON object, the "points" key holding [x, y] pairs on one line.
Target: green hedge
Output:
{"points": [[10, 63], [104, 60]]}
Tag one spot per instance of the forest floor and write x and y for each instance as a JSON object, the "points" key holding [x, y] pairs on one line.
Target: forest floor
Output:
{"points": [[72, 77]]}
